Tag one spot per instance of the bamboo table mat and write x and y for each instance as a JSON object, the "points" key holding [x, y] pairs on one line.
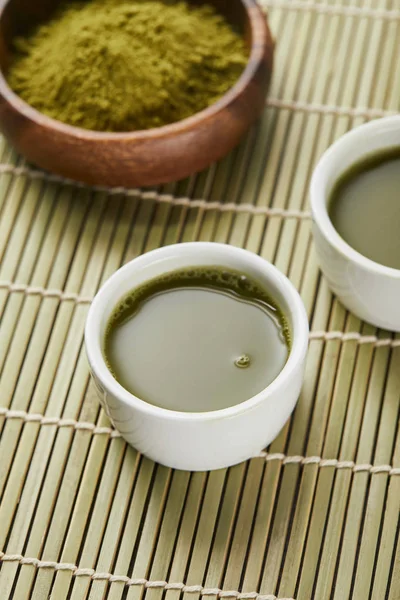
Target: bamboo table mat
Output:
{"points": [[83, 516]]}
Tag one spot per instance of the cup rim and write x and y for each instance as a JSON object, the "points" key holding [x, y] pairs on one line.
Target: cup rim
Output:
{"points": [[318, 199], [297, 353]]}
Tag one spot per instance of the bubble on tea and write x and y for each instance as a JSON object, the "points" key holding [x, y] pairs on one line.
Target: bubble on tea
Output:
{"points": [[243, 362]]}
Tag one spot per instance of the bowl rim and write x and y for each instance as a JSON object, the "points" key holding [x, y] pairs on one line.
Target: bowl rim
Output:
{"points": [[298, 316], [261, 35], [319, 196]]}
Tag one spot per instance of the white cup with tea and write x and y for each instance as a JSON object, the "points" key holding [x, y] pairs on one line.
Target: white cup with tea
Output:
{"points": [[197, 352], [355, 203]]}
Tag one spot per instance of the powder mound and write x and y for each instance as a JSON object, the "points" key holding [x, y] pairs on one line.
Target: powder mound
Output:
{"points": [[124, 65]]}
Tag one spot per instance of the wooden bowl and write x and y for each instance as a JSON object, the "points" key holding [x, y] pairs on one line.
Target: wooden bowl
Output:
{"points": [[137, 158]]}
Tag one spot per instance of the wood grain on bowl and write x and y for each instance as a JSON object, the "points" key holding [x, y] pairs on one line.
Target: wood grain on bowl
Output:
{"points": [[143, 157]]}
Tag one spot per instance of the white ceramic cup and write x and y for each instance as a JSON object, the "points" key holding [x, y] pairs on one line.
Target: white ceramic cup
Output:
{"points": [[369, 290], [207, 440]]}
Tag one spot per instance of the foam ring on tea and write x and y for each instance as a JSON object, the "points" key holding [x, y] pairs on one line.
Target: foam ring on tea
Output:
{"points": [[197, 339]]}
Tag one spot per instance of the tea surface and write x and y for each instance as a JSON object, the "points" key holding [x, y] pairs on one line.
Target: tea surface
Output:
{"points": [[197, 340], [365, 207]]}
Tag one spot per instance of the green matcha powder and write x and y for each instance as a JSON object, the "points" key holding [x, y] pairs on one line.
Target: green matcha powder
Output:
{"points": [[124, 65]]}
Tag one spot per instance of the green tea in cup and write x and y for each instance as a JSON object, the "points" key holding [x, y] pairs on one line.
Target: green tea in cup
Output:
{"points": [[197, 339], [364, 207]]}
